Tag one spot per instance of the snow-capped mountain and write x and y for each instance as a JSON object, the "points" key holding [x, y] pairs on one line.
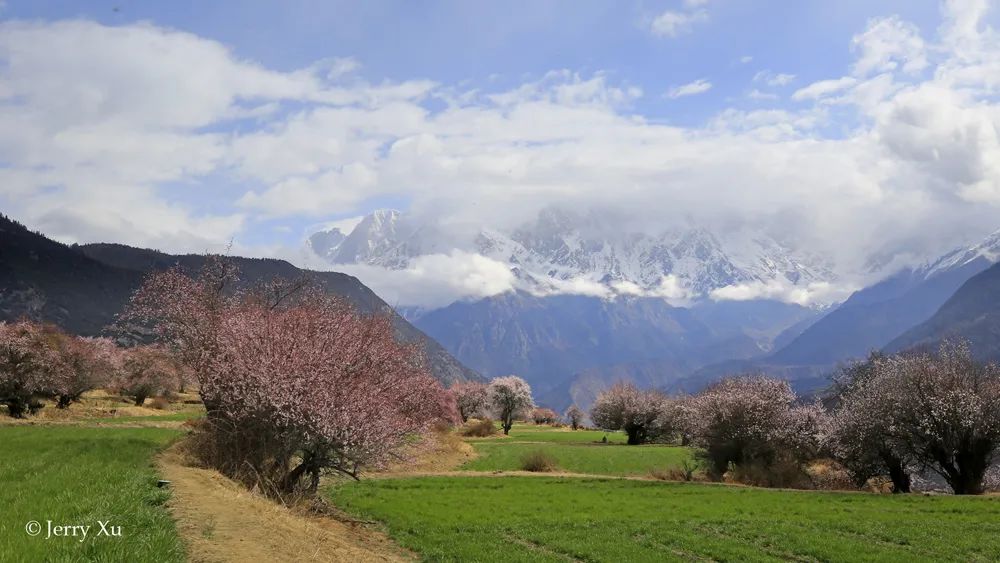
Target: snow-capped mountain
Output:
{"points": [[560, 246], [988, 250]]}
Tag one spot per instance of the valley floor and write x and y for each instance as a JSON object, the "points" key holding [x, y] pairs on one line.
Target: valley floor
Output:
{"points": [[459, 500]]}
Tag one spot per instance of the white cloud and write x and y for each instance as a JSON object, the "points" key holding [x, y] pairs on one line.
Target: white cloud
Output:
{"points": [[821, 292], [889, 44], [756, 94], [436, 280], [746, 59], [772, 79], [824, 88], [699, 86], [673, 24]]}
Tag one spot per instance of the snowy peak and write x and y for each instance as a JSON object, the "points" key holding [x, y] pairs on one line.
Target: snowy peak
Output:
{"points": [[562, 246], [987, 250]]}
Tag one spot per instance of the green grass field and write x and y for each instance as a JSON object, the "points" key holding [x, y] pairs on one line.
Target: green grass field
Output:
{"points": [[75, 475], [559, 519], [533, 433], [180, 416], [597, 459]]}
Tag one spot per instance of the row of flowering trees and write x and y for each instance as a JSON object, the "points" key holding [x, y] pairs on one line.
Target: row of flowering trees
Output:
{"points": [[892, 416], [295, 382], [39, 361]]}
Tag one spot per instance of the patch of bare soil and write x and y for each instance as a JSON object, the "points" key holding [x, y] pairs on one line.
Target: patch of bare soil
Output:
{"points": [[221, 521]]}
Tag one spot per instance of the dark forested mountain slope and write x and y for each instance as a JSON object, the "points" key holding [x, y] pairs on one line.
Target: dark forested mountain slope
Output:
{"points": [[82, 288]]}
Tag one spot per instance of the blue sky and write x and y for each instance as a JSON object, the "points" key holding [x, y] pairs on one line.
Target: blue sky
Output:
{"points": [[500, 44], [863, 131]]}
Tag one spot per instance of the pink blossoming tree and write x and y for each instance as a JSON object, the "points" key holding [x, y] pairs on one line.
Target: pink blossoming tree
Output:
{"points": [[295, 381], [471, 398], [27, 365]]}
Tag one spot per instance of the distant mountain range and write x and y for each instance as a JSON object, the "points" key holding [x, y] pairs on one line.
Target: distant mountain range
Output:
{"points": [[82, 288], [570, 347], [561, 246]]}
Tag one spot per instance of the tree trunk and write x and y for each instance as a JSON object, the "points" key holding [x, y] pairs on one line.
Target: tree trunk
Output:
{"points": [[139, 400], [64, 401], [900, 477], [288, 483], [15, 408]]}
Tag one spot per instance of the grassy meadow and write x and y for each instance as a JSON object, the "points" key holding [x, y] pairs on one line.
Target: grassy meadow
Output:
{"points": [[79, 475], [579, 451], [510, 518]]}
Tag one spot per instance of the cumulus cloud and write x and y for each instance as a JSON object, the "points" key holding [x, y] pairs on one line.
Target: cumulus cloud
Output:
{"points": [[699, 86]]}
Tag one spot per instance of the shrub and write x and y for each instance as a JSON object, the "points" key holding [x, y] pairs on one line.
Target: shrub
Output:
{"points": [[509, 397], [479, 428], [544, 416], [538, 461], [686, 472], [644, 415], [159, 403], [753, 421]]}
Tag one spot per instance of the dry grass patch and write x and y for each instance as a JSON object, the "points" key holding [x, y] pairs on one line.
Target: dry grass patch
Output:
{"points": [[539, 461], [219, 520]]}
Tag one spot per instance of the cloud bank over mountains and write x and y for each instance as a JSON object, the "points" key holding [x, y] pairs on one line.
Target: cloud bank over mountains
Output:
{"points": [[157, 137]]}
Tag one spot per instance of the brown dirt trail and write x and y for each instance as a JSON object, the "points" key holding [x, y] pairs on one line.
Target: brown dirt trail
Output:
{"points": [[220, 521]]}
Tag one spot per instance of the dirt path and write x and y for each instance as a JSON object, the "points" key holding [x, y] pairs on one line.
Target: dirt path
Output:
{"points": [[221, 521]]}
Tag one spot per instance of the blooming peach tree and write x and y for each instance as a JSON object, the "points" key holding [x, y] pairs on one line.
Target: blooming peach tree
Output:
{"points": [[742, 421], [945, 412], [643, 414], [574, 416], [145, 371], [862, 434], [471, 398], [509, 397], [295, 382], [27, 365]]}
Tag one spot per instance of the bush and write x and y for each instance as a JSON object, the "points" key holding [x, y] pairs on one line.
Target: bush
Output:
{"points": [[159, 403], [785, 473], [688, 471], [544, 416], [479, 428], [538, 461]]}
